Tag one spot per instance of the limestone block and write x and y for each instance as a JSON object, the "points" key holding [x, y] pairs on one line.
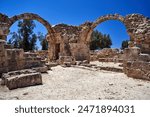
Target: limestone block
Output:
{"points": [[63, 59], [137, 69], [51, 64], [24, 81], [78, 62], [144, 57], [67, 64], [131, 53], [85, 62], [20, 79], [43, 69]]}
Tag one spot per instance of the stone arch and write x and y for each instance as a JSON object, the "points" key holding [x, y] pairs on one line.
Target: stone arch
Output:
{"points": [[103, 19], [107, 17], [51, 36], [30, 16]]}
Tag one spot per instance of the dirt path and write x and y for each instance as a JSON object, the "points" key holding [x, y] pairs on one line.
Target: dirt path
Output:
{"points": [[78, 83]]}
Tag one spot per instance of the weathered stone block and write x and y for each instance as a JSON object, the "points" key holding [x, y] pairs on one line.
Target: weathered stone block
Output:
{"points": [[20, 79], [131, 53], [78, 62], [67, 64], [70, 59], [137, 69], [51, 64], [43, 69]]}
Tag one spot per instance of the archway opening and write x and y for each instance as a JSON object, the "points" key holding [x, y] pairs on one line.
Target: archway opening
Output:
{"points": [[116, 31], [39, 30]]}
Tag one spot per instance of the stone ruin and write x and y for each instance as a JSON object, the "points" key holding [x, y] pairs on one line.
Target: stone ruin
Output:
{"points": [[70, 44]]}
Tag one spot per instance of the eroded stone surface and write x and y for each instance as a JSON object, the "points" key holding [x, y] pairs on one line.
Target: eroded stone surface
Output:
{"points": [[20, 79], [43, 69], [137, 69]]}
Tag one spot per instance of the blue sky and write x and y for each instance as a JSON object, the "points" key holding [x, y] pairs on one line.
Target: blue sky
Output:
{"points": [[76, 12]]}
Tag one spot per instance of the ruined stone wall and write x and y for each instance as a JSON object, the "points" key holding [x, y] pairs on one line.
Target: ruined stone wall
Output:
{"points": [[136, 64], [3, 62], [70, 42], [43, 54], [137, 69], [138, 27], [17, 59], [32, 60], [4, 20], [106, 54]]}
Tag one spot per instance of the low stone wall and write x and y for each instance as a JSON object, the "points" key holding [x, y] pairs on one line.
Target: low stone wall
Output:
{"points": [[105, 55], [137, 69], [116, 60], [32, 60], [67, 60], [17, 59], [135, 64], [43, 54]]}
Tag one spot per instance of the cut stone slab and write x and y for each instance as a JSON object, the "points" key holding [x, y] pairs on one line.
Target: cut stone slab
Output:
{"points": [[78, 62], [67, 64], [22, 78], [43, 69], [24, 81], [51, 64]]}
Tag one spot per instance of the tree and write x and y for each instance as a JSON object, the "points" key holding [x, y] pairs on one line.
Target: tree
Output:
{"points": [[94, 44], [24, 38], [125, 44], [14, 40], [43, 41], [100, 41], [33, 42]]}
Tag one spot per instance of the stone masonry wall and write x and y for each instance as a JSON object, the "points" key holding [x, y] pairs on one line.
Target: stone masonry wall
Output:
{"points": [[3, 62], [136, 64], [70, 42], [138, 27], [17, 59]]}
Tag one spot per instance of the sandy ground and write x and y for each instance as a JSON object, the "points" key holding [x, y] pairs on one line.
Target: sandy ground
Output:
{"points": [[78, 83]]}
